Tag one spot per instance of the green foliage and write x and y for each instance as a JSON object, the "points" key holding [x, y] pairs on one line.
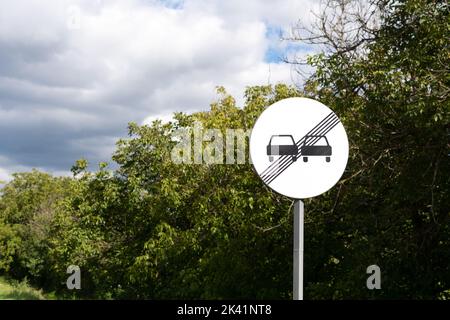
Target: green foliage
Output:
{"points": [[392, 207], [28, 205], [155, 229], [14, 290]]}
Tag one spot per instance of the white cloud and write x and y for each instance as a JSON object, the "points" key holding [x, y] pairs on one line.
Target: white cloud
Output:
{"points": [[66, 91], [4, 176]]}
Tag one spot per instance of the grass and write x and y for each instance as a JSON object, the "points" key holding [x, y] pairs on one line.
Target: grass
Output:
{"points": [[15, 290]]}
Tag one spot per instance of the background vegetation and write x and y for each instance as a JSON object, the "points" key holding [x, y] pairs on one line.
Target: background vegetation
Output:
{"points": [[14, 290], [155, 229]]}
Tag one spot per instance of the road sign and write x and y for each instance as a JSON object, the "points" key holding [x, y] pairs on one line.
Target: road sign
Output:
{"points": [[299, 147]]}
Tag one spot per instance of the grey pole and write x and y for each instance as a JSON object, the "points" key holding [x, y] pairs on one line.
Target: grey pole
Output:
{"points": [[298, 249]]}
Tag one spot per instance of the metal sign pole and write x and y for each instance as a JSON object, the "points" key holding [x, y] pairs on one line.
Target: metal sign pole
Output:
{"points": [[298, 249]]}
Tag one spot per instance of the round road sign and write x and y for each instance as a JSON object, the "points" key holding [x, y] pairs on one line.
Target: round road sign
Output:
{"points": [[299, 147]]}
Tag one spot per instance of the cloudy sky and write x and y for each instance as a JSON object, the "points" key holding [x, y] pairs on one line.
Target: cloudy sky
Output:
{"points": [[74, 73]]}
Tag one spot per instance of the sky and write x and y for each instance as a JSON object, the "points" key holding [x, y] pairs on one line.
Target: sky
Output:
{"points": [[74, 73]]}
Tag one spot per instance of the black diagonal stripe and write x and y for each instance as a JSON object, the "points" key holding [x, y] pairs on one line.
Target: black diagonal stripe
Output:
{"points": [[321, 123], [273, 176], [280, 162], [283, 159], [325, 130]]}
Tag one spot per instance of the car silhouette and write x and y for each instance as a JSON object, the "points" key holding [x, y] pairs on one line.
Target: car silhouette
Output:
{"points": [[286, 148], [315, 150]]}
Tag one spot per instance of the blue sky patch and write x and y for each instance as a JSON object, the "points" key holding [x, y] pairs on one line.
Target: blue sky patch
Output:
{"points": [[279, 49]]}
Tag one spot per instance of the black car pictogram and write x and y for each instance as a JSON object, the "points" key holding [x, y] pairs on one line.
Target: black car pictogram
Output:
{"points": [[315, 150], [286, 148]]}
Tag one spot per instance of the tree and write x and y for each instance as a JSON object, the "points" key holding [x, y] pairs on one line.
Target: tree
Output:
{"points": [[389, 84], [28, 205]]}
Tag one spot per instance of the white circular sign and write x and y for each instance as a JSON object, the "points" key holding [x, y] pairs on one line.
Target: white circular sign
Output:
{"points": [[299, 147]]}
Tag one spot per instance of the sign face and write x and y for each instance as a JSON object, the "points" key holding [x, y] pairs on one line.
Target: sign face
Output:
{"points": [[299, 147]]}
